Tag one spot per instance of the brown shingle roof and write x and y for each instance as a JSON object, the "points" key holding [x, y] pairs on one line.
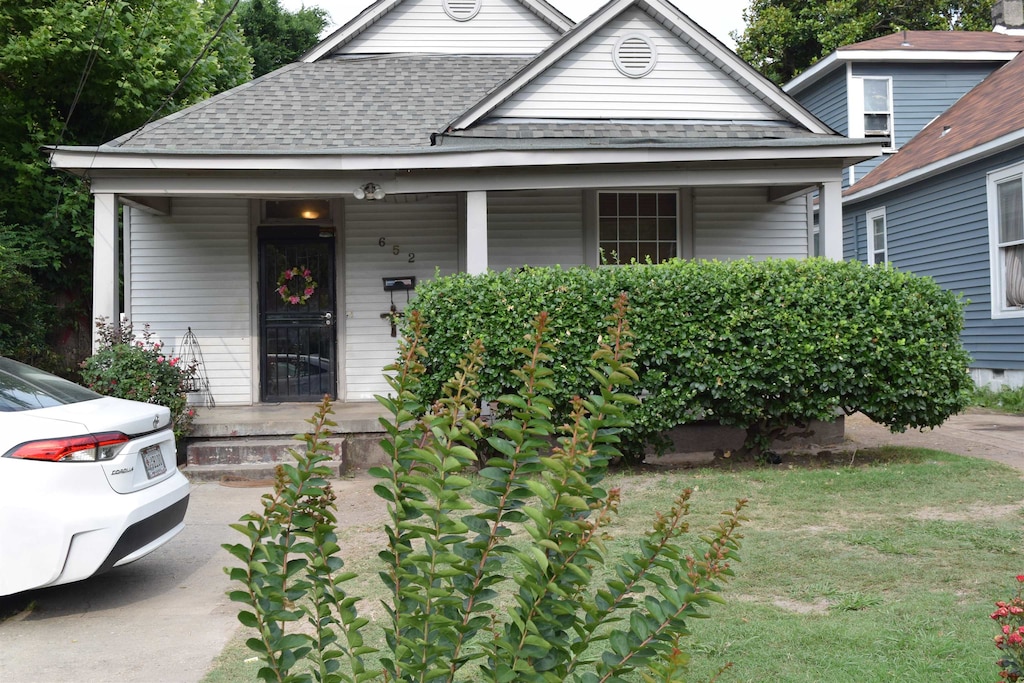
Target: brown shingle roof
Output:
{"points": [[994, 108], [954, 41]]}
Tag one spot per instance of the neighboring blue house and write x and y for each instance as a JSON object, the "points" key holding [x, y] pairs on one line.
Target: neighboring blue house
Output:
{"points": [[949, 205], [889, 88], [947, 198]]}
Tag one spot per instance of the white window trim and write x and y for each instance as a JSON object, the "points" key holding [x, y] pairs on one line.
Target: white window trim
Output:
{"points": [[870, 217], [994, 262], [856, 110]]}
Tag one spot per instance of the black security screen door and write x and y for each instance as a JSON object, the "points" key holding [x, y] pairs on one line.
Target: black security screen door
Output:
{"points": [[297, 316]]}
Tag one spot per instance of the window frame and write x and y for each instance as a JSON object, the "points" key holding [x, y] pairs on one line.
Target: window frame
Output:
{"points": [[601, 261], [996, 261], [859, 110], [870, 217]]}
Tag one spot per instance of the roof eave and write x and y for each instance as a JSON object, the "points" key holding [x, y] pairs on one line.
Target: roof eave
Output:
{"points": [[98, 160], [950, 163], [841, 56]]}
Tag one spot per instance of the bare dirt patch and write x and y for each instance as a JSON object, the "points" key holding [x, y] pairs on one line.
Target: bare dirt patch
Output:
{"points": [[971, 514]]}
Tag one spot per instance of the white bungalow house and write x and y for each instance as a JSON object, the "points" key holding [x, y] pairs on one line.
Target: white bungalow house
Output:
{"points": [[281, 220]]}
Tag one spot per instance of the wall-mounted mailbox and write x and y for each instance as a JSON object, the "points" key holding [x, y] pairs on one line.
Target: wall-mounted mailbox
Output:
{"points": [[400, 284]]}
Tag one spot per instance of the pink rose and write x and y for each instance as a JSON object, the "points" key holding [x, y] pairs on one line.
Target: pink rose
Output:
{"points": [[293, 300], [287, 275], [309, 291]]}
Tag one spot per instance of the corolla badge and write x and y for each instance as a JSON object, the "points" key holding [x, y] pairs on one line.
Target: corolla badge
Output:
{"points": [[123, 470]]}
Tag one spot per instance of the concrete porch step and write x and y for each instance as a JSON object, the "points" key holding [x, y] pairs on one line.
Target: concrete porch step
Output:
{"points": [[243, 475], [256, 457]]}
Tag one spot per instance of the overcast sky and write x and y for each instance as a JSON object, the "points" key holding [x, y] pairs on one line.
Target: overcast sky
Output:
{"points": [[718, 17]]}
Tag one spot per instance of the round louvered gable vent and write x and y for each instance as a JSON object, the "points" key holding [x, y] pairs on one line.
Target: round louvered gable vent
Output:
{"points": [[635, 55], [462, 10]]}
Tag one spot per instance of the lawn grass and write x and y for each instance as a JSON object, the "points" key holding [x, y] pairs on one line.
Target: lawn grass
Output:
{"points": [[877, 572]]}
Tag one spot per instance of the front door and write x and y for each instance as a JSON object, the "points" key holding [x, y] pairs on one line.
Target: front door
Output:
{"points": [[298, 342]]}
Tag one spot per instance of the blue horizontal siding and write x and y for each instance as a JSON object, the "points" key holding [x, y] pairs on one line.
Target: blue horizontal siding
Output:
{"points": [[826, 99], [939, 228]]}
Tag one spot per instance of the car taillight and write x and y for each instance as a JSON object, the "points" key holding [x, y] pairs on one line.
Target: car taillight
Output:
{"points": [[85, 448]]}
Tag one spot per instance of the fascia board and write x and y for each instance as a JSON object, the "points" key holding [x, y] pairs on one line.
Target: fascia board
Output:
{"points": [[465, 180], [926, 55], [716, 51], [86, 161], [948, 164], [812, 75], [838, 58]]}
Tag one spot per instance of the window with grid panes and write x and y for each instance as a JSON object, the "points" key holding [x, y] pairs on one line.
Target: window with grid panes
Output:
{"points": [[637, 226]]}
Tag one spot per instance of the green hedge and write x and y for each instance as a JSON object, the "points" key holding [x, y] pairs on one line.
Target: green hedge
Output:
{"points": [[760, 345]]}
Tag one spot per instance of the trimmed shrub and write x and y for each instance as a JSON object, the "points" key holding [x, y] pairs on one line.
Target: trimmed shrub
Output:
{"points": [[759, 345]]}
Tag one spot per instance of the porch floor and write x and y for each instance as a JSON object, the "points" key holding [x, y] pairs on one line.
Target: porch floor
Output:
{"points": [[283, 419]]}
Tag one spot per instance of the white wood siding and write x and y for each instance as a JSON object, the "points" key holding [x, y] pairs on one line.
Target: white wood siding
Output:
{"points": [[428, 229], [502, 27], [736, 222], [193, 269], [534, 228], [683, 84]]}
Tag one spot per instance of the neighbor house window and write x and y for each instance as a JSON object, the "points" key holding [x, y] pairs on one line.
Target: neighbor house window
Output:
{"points": [[1006, 239], [637, 226], [878, 250], [873, 118]]}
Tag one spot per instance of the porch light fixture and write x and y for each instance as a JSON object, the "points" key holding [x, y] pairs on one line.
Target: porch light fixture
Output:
{"points": [[310, 214], [369, 191]]}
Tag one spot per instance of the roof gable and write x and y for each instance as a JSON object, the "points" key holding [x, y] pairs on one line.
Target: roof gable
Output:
{"points": [[699, 79], [992, 111], [446, 26]]}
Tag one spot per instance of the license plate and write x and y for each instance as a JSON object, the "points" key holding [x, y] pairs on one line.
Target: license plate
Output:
{"points": [[153, 459]]}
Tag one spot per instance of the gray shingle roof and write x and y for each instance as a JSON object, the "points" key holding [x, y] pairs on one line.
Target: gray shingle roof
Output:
{"points": [[344, 103], [383, 104]]}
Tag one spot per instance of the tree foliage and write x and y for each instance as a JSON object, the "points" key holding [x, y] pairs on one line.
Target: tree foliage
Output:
{"points": [[276, 36], [782, 38], [84, 72]]}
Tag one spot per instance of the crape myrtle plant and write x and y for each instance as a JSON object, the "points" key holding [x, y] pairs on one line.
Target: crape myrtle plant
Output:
{"points": [[1010, 641], [761, 345], [493, 563], [140, 369]]}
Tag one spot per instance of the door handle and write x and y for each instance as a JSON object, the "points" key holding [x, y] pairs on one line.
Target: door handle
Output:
{"points": [[328, 319]]}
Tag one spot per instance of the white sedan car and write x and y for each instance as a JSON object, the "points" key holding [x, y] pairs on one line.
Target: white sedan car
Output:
{"points": [[87, 482]]}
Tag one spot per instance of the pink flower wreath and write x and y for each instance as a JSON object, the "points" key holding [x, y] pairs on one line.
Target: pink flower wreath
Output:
{"points": [[300, 276]]}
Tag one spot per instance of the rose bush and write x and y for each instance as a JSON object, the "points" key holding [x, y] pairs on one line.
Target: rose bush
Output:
{"points": [[141, 370], [1010, 617]]}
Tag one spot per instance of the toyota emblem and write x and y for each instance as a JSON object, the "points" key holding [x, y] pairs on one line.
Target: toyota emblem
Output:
{"points": [[156, 421]]}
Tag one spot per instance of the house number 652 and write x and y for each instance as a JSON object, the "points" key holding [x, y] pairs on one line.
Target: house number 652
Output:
{"points": [[396, 249]]}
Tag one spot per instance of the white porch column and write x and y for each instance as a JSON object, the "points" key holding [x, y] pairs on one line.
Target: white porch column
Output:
{"points": [[830, 219], [476, 232], [106, 291]]}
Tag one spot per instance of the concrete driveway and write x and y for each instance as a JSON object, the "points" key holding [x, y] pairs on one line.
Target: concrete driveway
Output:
{"points": [[162, 619]]}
